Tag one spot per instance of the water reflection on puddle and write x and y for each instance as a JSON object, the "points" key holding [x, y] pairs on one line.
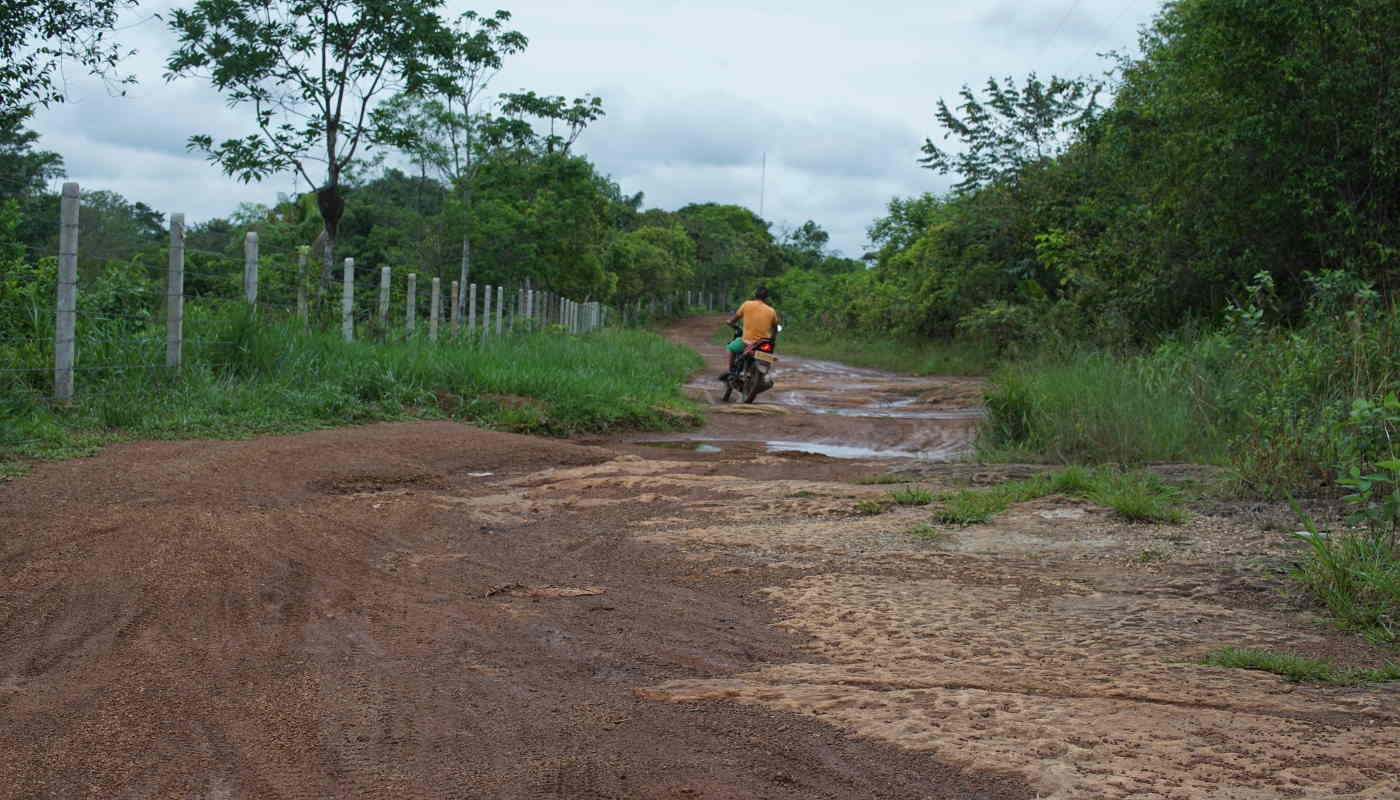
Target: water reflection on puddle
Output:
{"points": [[851, 451], [818, 448]]}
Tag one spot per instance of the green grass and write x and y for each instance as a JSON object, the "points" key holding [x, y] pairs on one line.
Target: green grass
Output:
{"points": [[908, 356], [1299, 669], [1094, 409], [1356, 575], [912, 496], [1135, 496], [869, 508], [271, 377], [927, 533]]}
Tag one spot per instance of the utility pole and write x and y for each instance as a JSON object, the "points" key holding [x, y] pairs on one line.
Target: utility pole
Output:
{"points": [[762, 183]]}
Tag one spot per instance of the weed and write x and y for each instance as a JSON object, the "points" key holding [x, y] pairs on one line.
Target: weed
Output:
{"points": [[1299, 668], [927, 533], [868, 508], [912, 496], [1134, 496], [803, 494], [969, 507]]}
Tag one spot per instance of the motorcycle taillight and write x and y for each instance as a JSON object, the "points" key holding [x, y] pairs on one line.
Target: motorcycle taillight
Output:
{"points": [[766, 347]]}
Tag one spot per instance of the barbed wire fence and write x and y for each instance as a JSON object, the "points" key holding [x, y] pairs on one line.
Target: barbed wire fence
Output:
{"points": [[85, 341]]}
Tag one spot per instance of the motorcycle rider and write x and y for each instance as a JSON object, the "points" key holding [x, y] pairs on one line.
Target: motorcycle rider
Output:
{"points": [[760, 322]]}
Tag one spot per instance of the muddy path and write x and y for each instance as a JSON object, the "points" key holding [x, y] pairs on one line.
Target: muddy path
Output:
{"points": [[428, 610]]}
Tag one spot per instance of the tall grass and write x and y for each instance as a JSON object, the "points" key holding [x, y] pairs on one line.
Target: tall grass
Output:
{"points": [[1095, 408], [262, 376], [1274, 402]]}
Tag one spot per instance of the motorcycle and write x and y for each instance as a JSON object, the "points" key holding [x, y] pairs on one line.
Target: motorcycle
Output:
{"points": [[752, 369]]}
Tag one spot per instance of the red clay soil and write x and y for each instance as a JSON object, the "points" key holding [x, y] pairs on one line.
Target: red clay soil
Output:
{"points": [[326, 615]]}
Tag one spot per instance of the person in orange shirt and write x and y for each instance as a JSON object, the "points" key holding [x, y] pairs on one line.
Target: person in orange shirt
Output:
{"points": [[760, 322]]}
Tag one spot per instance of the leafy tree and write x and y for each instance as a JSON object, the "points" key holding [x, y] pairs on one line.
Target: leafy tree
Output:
{"points": [[651, 261], [733, 246], [37, 36], [312, 72], [23, 170], [1010, 129]]}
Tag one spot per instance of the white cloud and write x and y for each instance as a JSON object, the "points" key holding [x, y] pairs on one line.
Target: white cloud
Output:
{"points": [[839, 97]]}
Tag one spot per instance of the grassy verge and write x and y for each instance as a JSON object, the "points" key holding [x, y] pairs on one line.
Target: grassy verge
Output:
{"points": [[1095, 409], [912, 357], [269, 377], [1136, 496], [1299, 669]]}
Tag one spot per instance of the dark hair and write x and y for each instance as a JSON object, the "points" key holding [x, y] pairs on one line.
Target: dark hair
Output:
{"points": [[761, 293]]}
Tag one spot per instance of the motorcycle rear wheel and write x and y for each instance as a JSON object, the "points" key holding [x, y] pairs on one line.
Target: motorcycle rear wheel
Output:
{"points": [[753, 383]]}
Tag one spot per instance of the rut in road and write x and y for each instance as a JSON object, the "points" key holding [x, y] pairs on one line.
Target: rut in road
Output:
{"points": [[429, 610]]}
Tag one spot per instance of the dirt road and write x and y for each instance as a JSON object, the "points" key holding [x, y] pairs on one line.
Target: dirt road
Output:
{"points": [[427, 610]]}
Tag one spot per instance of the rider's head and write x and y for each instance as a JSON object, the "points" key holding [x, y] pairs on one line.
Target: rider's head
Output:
{"points": [[761, 293]]}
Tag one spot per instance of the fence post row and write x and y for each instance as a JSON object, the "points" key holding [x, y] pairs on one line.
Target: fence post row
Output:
{"points": [[175, 294], [250, 267], [65, 319], [347, 302]]}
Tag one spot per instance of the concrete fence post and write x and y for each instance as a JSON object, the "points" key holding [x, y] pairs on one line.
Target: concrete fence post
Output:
{"points": [[66, 315], [486, 311], [456, 313], [347, 302], [302, 308], [250, 267], [435, 309], [471, 309], [500, 308], [175, 294], [410, 316], [386, 275]]}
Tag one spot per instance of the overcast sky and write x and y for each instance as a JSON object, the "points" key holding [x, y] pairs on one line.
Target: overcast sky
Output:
{"points": [[839, 96]]}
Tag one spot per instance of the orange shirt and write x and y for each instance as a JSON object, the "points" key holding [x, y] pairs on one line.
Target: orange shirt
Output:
{"points": [[759, 320]]}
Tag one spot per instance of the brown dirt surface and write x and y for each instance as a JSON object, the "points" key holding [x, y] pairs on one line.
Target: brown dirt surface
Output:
{"points": [[428, 610]]}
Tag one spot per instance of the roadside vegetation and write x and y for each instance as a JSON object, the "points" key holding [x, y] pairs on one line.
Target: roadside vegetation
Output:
{"points": [[1193, 260], [1135, 496], [270, 377], [1300, 669]]}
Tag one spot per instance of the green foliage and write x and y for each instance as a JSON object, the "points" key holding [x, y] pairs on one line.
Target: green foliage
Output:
{"points": [[1011, 129], [912, 496], [37, 37], [1355, 572], [264, 376], [1135, 496], [871, 507], [1299, 669]]}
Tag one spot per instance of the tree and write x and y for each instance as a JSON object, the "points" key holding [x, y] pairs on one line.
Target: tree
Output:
{"points": [[313, 72], [462, 125], [732, 245], [1011, 129], [23, 170], [37, 36], [651, 261]]}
